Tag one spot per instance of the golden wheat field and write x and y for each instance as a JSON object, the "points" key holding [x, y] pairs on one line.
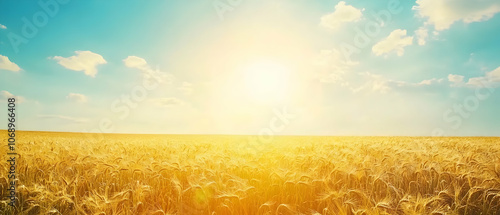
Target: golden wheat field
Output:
{"points": [[70, 173]]}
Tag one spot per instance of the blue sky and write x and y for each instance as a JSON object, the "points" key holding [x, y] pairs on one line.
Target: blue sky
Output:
{"points": [[253, 67]]}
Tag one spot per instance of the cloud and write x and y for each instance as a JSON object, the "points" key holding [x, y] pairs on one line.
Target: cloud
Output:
{"points": [[142, 65], [494, 75], [6, 64], [343, 14], [456, 80], [3, 26], [432, 81], [381, 84], [373, 83], [85, 61], [4, 95], [422, 33], [136, 62], [331, 66], [76, 97], [491, 79], [68, 118], [168, 102], [332, 58], [396, 41], [443, 13]]}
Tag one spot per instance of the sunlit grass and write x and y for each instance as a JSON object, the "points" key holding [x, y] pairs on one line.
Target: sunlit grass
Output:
{"points": [[69, 173]]}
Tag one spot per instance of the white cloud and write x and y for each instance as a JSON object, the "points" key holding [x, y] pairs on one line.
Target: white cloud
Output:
{"points": [[443, 13], [334, 78], [168, 102], [494, 75], [332, 66], [68, 118], [343, 14], [142, 65], [381, 84], [456, 80], [136, 62], [85, 61], [422, 33], [3, 26], [396, 41], [374, 83], [332, 58], [76, 97], [6, 64], [6, 95], [491, 79], [478, 82], [428, 82]]}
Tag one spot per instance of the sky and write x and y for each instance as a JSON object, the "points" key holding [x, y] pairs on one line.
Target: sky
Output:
{"points": [[275, 67]]}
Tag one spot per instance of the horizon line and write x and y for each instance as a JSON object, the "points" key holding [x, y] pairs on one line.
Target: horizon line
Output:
{"points": [[222, 134]]}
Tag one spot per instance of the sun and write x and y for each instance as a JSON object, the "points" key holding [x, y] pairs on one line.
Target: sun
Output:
{"points": [[266, 81]]}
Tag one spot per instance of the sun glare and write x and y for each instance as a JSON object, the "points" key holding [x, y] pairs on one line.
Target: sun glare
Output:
{"points": [[266, 81]]}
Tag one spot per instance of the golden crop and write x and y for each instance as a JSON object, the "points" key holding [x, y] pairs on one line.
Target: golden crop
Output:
{"points": [[70, 173]]}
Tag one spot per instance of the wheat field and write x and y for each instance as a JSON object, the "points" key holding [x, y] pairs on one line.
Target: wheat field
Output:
{"points": [[72, 173]]}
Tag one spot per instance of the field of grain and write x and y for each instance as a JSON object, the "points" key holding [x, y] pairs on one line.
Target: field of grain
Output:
{"points": [[71, 173]]}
